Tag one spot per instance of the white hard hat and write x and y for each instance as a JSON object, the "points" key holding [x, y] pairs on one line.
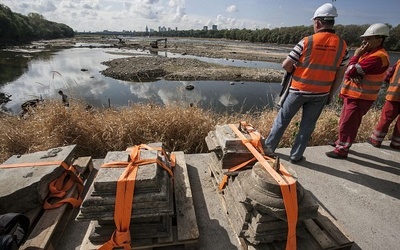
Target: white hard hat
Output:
{"points": [[326, 11], [376, 29]]}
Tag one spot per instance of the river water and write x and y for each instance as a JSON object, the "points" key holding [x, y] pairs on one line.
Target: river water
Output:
{"points": [[76, 72]]}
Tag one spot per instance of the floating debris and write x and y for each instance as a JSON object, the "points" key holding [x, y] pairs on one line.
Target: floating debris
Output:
{"points": [[189, 87]]}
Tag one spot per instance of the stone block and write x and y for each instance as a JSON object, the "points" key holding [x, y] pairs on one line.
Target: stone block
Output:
{"points": [[25, 188]]}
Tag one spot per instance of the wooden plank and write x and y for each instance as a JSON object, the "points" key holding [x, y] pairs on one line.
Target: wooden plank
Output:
{"points": [[86, 244], [88, 174], [40, 236], [214, 168], [33, 215], [319, 235], [185, 213], [241, 241], [333, 228], [144, 245], [84, 165], [243, 244]]}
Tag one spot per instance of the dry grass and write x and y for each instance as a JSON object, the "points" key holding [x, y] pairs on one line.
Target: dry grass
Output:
{"points": [[179, 127]]}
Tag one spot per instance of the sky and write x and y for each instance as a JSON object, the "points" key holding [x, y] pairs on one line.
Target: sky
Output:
{"points": [[136, 15]]}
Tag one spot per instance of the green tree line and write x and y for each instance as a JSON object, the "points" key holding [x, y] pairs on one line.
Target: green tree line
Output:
{"points": [[286, 35], [17, 28]]}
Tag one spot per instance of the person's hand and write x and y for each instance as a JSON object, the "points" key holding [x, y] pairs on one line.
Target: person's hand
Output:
{"points": [[362, 49], [356, 79]]}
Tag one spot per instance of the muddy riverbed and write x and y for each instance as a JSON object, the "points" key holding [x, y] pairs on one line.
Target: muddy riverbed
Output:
{"points": [[147, 68]]}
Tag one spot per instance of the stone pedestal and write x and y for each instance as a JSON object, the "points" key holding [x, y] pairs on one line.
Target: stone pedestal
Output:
{"points": [[253, 197]]}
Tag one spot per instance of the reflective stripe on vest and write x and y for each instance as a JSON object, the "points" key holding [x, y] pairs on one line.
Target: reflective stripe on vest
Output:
{"points": [[316, 70], [370, 85], [393, 92]]}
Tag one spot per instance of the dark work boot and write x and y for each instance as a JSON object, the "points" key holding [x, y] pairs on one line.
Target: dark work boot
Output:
{"points": [[332, 143], [394, 147], [370, 141], [333, 154]]}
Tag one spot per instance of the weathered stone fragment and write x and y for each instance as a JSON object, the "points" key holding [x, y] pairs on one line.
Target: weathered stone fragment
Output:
{"points": [[152, 205], [25, 188], [228, 147], [163, 228], [256, 209]]}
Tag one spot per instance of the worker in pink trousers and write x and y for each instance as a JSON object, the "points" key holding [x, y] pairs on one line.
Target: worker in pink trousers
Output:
{"points": [[390, 110], [362, 82]]}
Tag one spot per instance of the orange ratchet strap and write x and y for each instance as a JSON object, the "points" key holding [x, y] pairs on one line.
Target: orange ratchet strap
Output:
{"points": [[225, 178], [285, 180], [59, 187], [255, 141], [124, 196]]}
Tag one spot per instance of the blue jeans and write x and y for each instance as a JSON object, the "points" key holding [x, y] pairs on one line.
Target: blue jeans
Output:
{"points": [[312, 108]]}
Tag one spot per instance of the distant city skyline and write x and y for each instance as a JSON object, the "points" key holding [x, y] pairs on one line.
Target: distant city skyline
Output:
{"points": [[118, 15]]}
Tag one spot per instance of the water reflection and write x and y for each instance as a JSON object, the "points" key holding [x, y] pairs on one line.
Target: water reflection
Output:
{"points": [[28, 76], [45, 73], [220, 96], [227, 61], [12, 66]]}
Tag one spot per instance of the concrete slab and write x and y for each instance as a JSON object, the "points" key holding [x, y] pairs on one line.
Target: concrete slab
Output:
{"points": [[362, 192], [215, 230]]}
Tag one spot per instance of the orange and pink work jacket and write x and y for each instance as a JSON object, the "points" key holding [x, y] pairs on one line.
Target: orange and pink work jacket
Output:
{"points": [[370, 84], [393, 92]]}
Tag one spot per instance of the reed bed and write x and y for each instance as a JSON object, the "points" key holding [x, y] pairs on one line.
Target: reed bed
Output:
{"points": [[180, 128]]}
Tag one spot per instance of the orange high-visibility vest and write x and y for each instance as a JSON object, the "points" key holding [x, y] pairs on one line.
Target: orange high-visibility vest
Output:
{"points": [[322, 55], [370, 85], [393, 92]]}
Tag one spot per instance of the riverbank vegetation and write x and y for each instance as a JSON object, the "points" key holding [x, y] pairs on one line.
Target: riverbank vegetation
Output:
{"points": [[16, 28], [287, 35], [179, 127]]}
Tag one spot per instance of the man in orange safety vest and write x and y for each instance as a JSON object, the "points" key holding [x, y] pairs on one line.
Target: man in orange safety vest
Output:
{"points": [[317, 64]]}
